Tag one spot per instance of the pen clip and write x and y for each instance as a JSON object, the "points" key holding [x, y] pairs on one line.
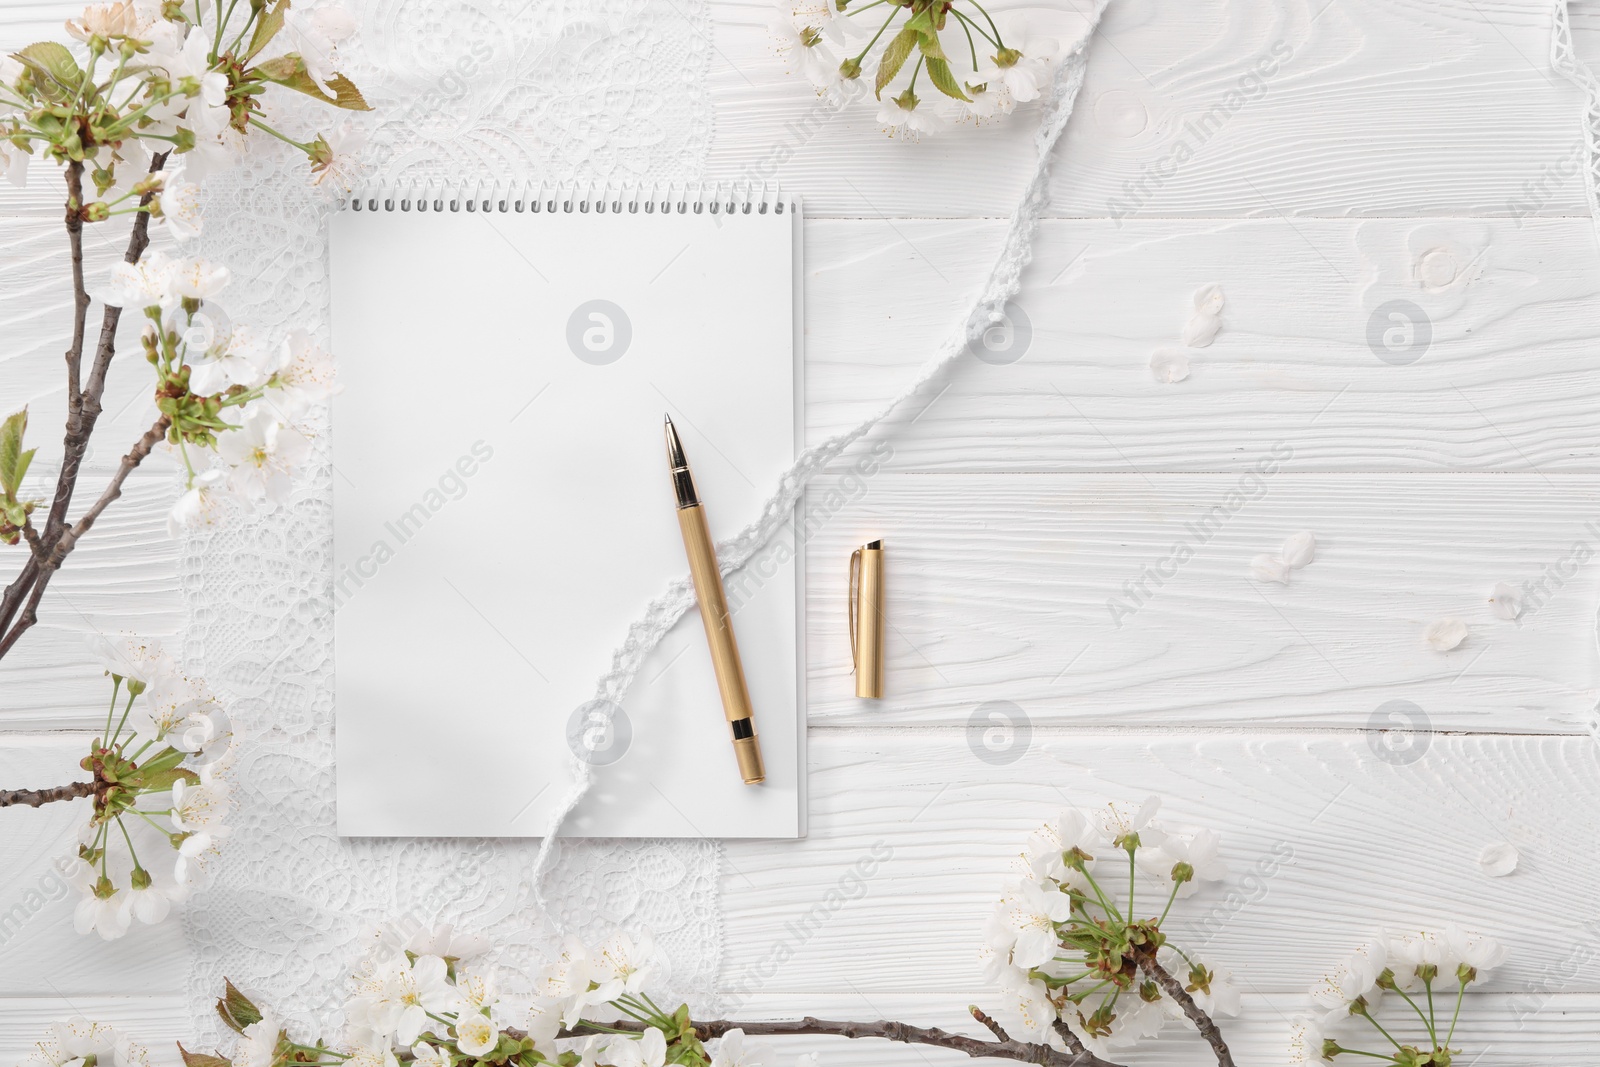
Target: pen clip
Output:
{"points": [[854, 597]]}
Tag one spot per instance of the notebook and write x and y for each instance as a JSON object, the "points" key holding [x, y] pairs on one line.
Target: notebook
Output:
{"points": [[503, 511]]}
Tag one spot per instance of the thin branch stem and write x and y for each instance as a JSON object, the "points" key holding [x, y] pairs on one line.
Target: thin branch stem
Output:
{"points": [[977, 1048], [1174, 989], [35, 797]]}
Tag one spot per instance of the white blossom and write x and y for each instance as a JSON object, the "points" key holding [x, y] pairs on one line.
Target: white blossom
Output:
{"points": [[1118, 821], [106, 915], [1474, 950], [303, 373], [198, 279], [202, 504], [145, 284], [734, 1051], [1021, 72], [1047, 846], [263, 454], [477, 1036], [1026, 921], [141, 661], [905, 117], [1305, 1041], [1200, 851], [258, 1045], [1353, 979], [228, 358], [68, 1044], [180, 207]]}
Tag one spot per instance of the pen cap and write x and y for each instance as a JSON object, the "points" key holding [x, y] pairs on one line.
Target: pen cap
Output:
{"points": [[866, 618]]}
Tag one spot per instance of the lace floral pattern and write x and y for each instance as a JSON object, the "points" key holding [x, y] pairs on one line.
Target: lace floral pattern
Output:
{"points": [[593, 91]]}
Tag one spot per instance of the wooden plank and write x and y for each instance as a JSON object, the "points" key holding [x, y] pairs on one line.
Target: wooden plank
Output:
{"points": [[1495, 1030], [1505, 380], [40, 952], [1215, 108], [1328, 842], [1110, 600]]}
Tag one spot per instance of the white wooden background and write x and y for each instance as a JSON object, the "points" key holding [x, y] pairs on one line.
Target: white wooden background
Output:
{"points": [[1025, 496]]}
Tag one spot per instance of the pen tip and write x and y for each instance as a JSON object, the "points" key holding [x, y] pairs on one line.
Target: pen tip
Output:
{"points": [[666, 418]]}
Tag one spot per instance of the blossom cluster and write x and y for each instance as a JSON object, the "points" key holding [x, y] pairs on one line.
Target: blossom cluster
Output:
{"points": [[827, 43], [157, 76], [1412, 966], [229, 395], [159, 789], [432, 999], [1067, 948], [79, 1042]]}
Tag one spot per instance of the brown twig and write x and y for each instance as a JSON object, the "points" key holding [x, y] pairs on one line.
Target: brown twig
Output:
{"points": [[49, 547], [69, 537], [988, 1022], [977, 1048], [35, 797], [1174, 989]]}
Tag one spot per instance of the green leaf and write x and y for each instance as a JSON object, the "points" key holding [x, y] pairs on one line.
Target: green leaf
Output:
{"points": [[922, 23], [12, 464], [929, 43], [164, 779], [894, 57], [939, 73], [290, 72], [201, 1059], [164, 760], [236, 1010], [267, 28], [346, 95], [55, 63]]}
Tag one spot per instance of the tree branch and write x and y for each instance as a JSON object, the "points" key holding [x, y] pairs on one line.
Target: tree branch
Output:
{"points": [[977, 1048], [1174, 989], [35, 797], [19, 604], [69, 537], [80, 292]]}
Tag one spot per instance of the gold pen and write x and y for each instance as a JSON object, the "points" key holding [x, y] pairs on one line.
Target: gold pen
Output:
{"points": [[702, 553]]}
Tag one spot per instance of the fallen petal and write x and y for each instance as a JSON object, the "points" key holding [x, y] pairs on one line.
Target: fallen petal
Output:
{"points": [[1445, 634], [1498, 859], [1300, 549], [1202, 329], [1169, 365], [1267, 568], [1208, 299], [1506, 600]]}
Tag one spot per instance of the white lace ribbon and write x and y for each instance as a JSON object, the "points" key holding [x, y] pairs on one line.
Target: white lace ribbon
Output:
{"points": [[1004, 281], [1564, 58]]}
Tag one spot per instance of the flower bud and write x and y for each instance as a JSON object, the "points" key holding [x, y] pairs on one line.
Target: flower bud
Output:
{"points": [[98, 211], [850, 69]]}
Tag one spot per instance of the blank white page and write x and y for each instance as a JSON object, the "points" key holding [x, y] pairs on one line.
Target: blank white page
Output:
{"points": [[503, 512]]}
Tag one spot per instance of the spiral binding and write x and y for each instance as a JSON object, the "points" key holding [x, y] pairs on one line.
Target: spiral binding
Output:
{"points": [[681, 198]]}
